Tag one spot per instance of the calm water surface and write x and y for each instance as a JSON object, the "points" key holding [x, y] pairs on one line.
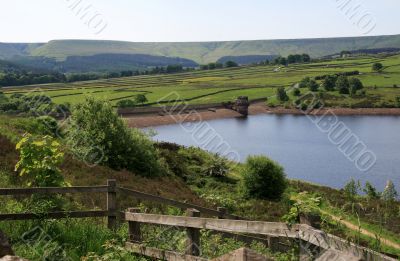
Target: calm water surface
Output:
{"points": [[305, 152]]}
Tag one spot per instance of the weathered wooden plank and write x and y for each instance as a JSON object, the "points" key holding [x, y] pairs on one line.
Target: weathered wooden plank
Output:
{"points": [[160, 254], [53, 215], [175, 203], [318, 238], [223, 225], [55, 190]]}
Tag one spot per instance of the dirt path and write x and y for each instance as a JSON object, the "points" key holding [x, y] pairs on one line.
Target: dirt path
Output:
{"points": [[365, 232]]}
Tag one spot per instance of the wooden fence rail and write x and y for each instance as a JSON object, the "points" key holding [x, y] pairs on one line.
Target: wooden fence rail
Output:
{"points": [[193, 223], [170, 202], [309, 237]]}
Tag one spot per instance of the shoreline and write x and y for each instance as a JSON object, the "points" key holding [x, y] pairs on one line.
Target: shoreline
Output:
{"points": [[154, 119]]}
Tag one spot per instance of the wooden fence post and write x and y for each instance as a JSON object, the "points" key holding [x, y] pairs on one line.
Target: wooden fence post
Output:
{"points": [[112, 204], [134, 233], [193, 235], [222, 211]]}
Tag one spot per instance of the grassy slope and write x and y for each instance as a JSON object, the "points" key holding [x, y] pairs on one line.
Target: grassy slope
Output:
{"points": [[226, 84], [203, 52], [199, 190]]}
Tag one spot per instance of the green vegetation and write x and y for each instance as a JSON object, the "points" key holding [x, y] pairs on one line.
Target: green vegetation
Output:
{"points": [[263, 178], [223, 85], [201, 52], [195, 176], [39, 161], [100, 136]]}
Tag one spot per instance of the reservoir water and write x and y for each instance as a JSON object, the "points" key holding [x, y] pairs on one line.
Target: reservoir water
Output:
{"points": [[301, 147]]}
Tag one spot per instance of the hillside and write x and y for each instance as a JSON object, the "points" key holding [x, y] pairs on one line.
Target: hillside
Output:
{"points": [[201, 52], [100, 62]]}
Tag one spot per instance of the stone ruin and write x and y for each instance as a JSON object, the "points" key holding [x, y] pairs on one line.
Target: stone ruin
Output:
{"points": [[241, 105]]}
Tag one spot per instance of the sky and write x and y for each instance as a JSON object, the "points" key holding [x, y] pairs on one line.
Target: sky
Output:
{"points": [[194, 20]]}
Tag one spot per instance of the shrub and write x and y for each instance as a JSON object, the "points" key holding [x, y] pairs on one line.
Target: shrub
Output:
{"points": [[127, 103], [47, 125], [263, 178], [39, 161], [296, 92], [216, 167], [355, 85], [98, 135], [281, 94]]}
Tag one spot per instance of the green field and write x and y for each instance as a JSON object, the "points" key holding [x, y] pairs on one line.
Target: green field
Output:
{"points": [[202, 87]]}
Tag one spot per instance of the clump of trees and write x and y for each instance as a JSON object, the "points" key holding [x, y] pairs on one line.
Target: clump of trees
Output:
{"points": [[334, 82], [263, 178], [98, 135], [35, 105], [293, 58], [352, 189]]}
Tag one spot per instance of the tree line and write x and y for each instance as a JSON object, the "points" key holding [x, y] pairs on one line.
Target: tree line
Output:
{"points": [[28, 78]]}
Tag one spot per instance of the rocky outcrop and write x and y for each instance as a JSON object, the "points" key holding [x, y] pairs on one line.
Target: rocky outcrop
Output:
{"points": [[5, 247]]}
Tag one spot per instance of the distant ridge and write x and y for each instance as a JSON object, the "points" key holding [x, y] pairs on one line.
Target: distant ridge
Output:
{"points": [[200, 52]]}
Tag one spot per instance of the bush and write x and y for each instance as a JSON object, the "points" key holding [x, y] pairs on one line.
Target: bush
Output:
{"points": [[98, 135], [126, 103], [216, 167], [296, 92], [263, 178], [39, 161], [47, 125], [281, 94]]}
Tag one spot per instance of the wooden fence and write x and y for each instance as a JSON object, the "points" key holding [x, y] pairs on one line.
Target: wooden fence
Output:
{"points": [[305, 235]]}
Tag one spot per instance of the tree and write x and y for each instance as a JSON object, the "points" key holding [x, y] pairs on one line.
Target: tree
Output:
{"points": [[281, 94], [329, 82], [342, 84], [141, 99], [281, 60], [304, 83], [370, 191], [230, 64], [390, 193], [306, 58], [296, 92], [263, 178], [313, 85], [356, 84], [351, 189], [97, 135], [377, 67]]}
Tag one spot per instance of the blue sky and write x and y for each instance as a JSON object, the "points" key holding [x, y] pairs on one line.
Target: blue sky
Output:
{"points": [[191, 20]]}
